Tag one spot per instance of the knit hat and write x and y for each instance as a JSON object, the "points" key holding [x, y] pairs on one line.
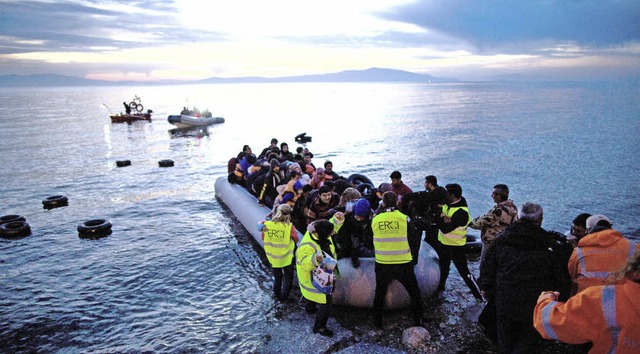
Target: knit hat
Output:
{"points": [[297, 186], [597, 220], [362, 208]]}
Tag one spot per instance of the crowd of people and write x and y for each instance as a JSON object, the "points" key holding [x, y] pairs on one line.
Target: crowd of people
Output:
{"points": [[536, 283]]}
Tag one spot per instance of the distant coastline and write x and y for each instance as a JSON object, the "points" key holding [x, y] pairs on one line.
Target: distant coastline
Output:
{"points": [[368, 75], [371, 75]]}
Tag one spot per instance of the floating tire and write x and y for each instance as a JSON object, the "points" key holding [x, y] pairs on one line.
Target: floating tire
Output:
{"points": [[357, 179], [165, 163], [9, 218], [95, 228], [123, 163], [15, 229], [365, 189], [55, 201]]}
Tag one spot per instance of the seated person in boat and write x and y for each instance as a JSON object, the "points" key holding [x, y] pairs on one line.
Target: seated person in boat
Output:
{"points": [[268, 192], [246, 162], [256, 175], [309, 167], [375, 199], [286, 192], [273, 146], [355, 238], [236, 176], [321, 203], [328, 170], [246, 150], [285, 154], [298, 216], [319, 178], [339, 186], [348, 199]]}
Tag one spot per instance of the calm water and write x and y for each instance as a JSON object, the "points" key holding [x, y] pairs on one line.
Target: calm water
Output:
{"points": [[178, 275]]}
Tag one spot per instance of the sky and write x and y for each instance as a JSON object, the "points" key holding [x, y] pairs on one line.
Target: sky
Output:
{"points": [[151, 40]]}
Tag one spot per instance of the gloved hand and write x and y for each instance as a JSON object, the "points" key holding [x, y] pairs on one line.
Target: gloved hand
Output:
{"points": [[355, 262]]}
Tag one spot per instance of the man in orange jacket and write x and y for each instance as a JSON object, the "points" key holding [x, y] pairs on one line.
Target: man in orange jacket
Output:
{"points": [[606, 316], [602, 251]]}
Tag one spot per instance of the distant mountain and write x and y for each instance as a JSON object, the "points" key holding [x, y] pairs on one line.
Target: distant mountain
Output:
{"points": [[368, 75], [48, 80]]}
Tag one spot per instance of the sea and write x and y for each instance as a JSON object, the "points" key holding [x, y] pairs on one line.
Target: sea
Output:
{"points": [[180, 274]]}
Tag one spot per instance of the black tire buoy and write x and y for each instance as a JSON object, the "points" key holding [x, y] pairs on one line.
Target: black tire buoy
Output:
{"points": [[9, 218], [165, 163], [365, 189], [95, 228], [123, 163], [55, 201], [15, 229], [358, 178]]}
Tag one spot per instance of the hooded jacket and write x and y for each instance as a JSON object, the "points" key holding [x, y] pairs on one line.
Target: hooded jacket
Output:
{"points": [[520, 264], [268, 192], [597, 255]]}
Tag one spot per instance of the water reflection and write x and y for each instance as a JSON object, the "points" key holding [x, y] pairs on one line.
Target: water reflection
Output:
{"points": [[192, 132]]}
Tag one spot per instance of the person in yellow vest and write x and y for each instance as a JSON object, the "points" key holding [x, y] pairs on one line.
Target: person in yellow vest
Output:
{"points": [[280, 238], [311, 252], [452, 236], [396, 244]]}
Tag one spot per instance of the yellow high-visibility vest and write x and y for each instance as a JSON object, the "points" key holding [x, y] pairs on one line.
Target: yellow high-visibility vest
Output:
{"points": [[390, 240], [278, 244], [457, 237]]}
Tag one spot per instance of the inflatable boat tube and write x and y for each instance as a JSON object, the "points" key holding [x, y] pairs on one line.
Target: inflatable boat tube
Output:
{"points": [[357, 179], [354, 286]]}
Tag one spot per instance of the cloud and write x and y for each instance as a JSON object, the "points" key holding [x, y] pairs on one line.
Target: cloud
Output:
{"points": [[189, 39], [495, 25]]}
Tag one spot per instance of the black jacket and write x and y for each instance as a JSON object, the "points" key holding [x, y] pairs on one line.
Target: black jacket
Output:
{"points": [[352, 236], [523, 261]]}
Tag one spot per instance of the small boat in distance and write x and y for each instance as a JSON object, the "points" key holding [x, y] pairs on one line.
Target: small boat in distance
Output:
{"points": [[194, 118], [133, 112]]}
